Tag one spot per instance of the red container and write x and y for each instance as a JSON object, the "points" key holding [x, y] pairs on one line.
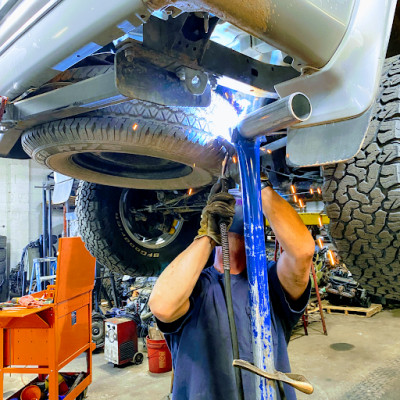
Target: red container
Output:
{"points": [[31, 392], [159, 356]]}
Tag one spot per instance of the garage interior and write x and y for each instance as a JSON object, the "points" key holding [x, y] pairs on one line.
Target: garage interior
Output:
{"points": [[138, 137], [361, 343]]}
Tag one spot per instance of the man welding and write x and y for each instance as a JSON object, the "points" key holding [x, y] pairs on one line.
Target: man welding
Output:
{"points": [[189, 302]]}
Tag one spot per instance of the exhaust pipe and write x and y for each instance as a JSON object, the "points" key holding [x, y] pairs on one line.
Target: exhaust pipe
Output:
{"points": [[276, 116]]}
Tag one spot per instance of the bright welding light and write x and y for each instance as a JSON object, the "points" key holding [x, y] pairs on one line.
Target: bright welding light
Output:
{"points": [[331, 258], [320, 243], [221, 121], [293, 189]]}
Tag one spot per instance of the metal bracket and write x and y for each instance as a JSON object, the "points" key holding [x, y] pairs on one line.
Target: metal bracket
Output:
{"points": [[182, 41], [195, 81], [141, 79]]}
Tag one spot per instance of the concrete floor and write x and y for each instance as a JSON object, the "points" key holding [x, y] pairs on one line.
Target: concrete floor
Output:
{"points": [[359, 359]]}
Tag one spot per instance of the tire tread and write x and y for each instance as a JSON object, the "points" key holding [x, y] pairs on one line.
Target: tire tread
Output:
{"points": [[362, 196]]}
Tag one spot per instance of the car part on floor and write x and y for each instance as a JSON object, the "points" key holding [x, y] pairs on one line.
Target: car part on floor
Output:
{"points": [[137, 145], [343, 289], [363, 197], [127, 232]]}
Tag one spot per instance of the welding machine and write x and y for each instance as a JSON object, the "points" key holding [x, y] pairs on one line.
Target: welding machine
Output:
{"points": [[121, 343]]}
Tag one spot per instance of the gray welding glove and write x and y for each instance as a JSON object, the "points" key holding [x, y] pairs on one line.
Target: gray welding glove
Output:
{"points": [[220, 208]]}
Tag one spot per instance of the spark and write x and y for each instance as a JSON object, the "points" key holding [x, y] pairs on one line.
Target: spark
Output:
{"points": [[331, 257]]}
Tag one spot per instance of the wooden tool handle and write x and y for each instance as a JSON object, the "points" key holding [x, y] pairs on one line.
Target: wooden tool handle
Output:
{"points": [[299, 382]]}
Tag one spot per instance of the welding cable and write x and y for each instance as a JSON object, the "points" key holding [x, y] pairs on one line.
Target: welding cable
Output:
{"points": [[229, 306], [228, 289]]}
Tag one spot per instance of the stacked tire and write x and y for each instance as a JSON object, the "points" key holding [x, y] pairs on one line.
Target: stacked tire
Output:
{"points": [[3, 269]]}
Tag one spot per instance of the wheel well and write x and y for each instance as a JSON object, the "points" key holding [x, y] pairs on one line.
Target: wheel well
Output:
{"points": [[394, 41]]}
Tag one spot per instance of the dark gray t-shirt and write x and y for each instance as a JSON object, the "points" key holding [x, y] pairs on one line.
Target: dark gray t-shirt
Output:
{"points": [[200, 341]]}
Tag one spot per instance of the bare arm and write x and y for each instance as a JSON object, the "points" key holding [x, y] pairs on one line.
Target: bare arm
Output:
{"points": [[298, 245], [169, 299]]}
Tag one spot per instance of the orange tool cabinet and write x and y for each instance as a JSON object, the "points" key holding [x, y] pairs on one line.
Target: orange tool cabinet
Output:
{"points": [[43, 340]]}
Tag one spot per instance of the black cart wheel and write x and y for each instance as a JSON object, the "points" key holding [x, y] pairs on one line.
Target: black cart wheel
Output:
{"points": [[138, 358], [98, 329]]}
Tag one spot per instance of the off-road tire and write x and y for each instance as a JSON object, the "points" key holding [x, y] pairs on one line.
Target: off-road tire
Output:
{"points": [[137, 144], [101, 228], [108, 287], [2, 254], [3, 281], [363, 197], [98, 329], [2, 268]]}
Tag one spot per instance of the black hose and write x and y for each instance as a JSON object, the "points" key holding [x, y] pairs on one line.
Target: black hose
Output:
{"points": [[281, 390], [229, 305]]}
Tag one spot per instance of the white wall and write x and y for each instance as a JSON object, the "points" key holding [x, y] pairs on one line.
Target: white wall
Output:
{"points": [[21, 205]]}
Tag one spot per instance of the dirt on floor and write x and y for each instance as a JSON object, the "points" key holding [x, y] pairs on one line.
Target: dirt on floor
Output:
{"points": [[359, 359]]}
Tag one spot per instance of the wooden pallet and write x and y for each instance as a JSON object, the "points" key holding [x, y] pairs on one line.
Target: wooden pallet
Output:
{"points": [[361, 311]]}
